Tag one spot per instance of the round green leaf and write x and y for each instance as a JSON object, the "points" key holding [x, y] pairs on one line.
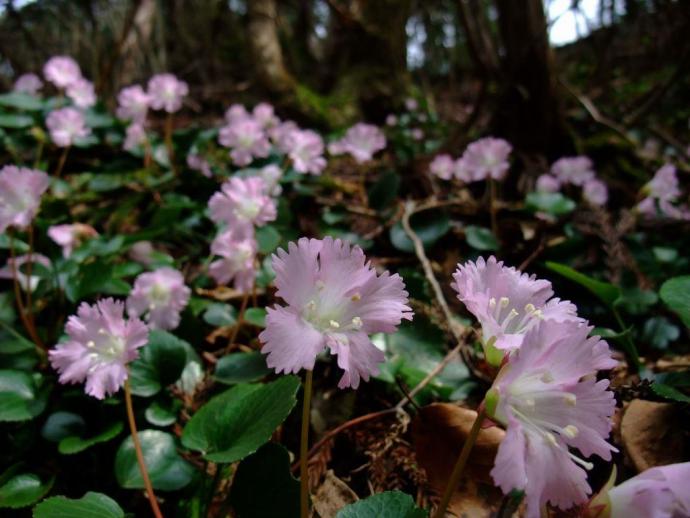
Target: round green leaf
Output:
{"points": [[553, 203], [22, 396], [390, 504], [91, 505], [22, 490], [15, 121], [62, 424], [480, 238], [237, 422], [429, 225], [162, 413], [167, 470], [241, 368], [21, 101], [160, 364], [675, 293], [255, 316], [219, 314], [75, 444], [267, 238]]}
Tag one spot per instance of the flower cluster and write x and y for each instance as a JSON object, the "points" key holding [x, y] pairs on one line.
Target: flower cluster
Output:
{"points": [[20, 195], [66, 75], [28, 84], [66, 126], [483, 159], [578, 171], [361, 141], [661, 196]]}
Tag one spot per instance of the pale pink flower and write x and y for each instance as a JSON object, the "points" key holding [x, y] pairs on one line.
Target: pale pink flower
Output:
{"points": [[26, 282], [66, 125], [71, 236], [264, 114], [576, 170], [281, 135], [664, 185], [82, 93], [62, 71], [417, 134], [391, 120], [549, 400], [133, 103], [548, 183], [595, 192], [306, 152], [235, 113], [142, 252], [506, 302], [461, 172], [242, 203], [199, 163], [271, 175], [21, 189], [334, 299], [159, 296], [100, 345], [442, 166], [487, 158], [237, 254], [362, 141], [28, 84], [411, 104], [166, 92], [246, 140], [135, 137]]}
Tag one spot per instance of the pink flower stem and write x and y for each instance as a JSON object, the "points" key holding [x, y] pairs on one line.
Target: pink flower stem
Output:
{"points": [[169, 142], [304, 448], [460, 465], [240, 320], [140, 455], [61, 162]]}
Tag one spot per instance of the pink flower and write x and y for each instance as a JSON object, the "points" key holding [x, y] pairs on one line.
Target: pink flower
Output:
{"points": [[21, 189], [271, 175], [62, 71], [237, 253], [660, 492], [142, 252], [166, 92], [71, 236], [548, 183], [66, 125], [199, 163], [82, 93], [135, 137], [417, 134], [362, 141], [391, 120], [664, 185], [549, 400], [236, 113], [306, 152], [442, 166], [595, 192], [100, 345], [133, 103], [281, 135], [246, 140], [242, 204], [160, 295], [576, 170], [334, 299], [507, 303], [264, 114], [487, 158], [28, 84], [26, 282], [411, 104]]}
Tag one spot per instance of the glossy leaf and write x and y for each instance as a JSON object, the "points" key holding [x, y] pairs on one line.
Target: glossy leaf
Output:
{"points": [[160, 364], [91, 505], [390, 504]]}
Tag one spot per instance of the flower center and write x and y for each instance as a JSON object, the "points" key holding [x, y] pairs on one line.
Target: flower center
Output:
{"points": [[328, 317], [248, 209], [509, 319], [159, 295], [107, 348]]}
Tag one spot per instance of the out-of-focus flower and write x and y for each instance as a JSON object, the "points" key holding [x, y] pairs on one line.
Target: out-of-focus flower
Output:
{"points": [[135, 137], [160, 296], [391, 120], [411, 104], [271, 175], [199, 163], [264, 114], [487, 158], [507, 303], [576, 170], [100, 344], [66, 125], [166, 92], [662, 192], [21, 189], [595, 192], [133, 103], [242, 203], [417, 134], [28, 84], [548, 399], [237, 253], [235, 113], [71, 236], [246, 140], [442, 166], [362, 141], [62, 71], [306, 152], [142, 252], [25, 281], [191, 377], [334, 299], [548, 183], [82, 93], [281, 135]]}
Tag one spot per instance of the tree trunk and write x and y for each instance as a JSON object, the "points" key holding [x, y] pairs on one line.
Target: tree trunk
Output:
{"points": [[476, 26]]}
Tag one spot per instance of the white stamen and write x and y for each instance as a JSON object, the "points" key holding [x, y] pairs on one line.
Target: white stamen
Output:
{"points": [[504, 302], [570, 399], [356, 297], [311, 305], [547, 377], [492, 303], [357, 323], [529, 308], [334, 324], [551, 438], [90, 344], [571, 431], [101, 331]]}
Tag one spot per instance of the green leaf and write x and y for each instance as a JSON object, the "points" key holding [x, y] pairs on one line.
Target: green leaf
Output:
{"points": [[384, 191], [675, 293], [266, 472], [241, 368], [255, 316], [607, 293], [268, 238], [220, 314], [22, 490], [162, 413], [429, 226], [553, 203], [21, 101], [76, 444], [237, 422], [62, 424], [91, 505], [15, 121], [636, 301], [659, 332], [22, 396], [160, 364], [669, 392], [167, 470], [390, 504], [480, 238]]}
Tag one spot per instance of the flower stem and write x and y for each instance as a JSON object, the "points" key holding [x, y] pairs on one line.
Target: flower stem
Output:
{"points": [[240, 320], [140, 455], [460, 465], [304, 448], [492, 207], [61, 162], [169, 141]]}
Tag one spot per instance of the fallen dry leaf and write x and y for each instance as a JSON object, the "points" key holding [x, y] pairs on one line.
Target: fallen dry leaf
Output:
{"points": [[332, 496]]}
